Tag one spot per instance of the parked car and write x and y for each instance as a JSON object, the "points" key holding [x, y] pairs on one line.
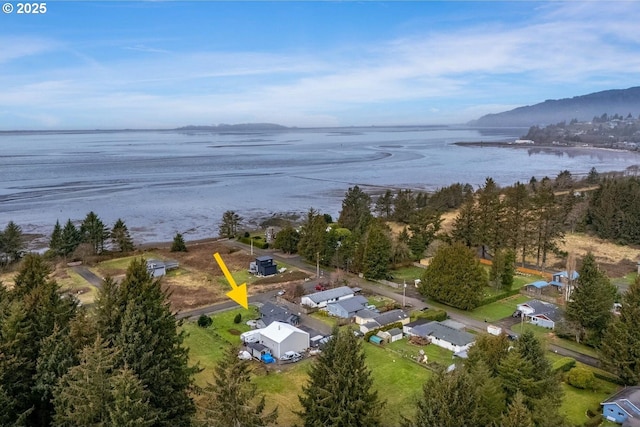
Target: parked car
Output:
{"points": [[291, 357], [321, 287], [281, 292]]}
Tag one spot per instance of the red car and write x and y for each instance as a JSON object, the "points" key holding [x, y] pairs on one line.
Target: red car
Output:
{"points": [[321, 287]]}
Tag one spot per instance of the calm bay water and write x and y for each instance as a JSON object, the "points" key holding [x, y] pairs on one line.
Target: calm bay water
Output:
{"points": [[163, 182]]}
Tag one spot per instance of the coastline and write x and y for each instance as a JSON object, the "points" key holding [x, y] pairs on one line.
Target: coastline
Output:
{"points": [[575, 148]]}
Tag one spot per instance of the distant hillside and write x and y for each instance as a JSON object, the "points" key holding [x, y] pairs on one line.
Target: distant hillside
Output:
{"points": [[237, 127], [583, 108]]}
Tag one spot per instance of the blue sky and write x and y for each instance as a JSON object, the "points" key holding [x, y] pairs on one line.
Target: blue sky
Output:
{"points": [[163, 64]]}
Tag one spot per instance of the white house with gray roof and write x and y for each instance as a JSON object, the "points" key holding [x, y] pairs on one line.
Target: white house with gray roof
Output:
{"points": [[540, 313], [321, 299], [444, 336]]}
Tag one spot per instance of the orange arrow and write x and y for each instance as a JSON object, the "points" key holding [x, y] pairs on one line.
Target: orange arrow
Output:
{"points": [[237, 293]]}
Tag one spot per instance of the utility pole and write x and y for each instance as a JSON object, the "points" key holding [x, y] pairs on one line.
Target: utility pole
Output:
{"points": [[317, 265], [404, 292]]}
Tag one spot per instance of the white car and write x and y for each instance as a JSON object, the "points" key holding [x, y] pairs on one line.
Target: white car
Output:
{"points": [[291, 356], [280, 293]]}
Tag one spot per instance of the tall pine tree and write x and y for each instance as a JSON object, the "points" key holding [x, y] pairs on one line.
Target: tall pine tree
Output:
{"points": [[232, 400], [339, 392], [620, 348]]}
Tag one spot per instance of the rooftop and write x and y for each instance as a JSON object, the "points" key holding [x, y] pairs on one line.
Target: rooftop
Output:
{"points": [[330, 294], [445, 333], [279, 331]]}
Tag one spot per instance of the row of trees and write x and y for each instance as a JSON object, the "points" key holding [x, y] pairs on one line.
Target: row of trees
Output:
{"points": [[64, 241], [614, 210], [124, 363]]}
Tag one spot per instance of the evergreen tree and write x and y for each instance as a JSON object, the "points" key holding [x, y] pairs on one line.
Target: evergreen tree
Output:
{"points": [[548, 220], [339, 392], [356, 210], [591, 301], [230, 223], [313, 237], [232, 400], [404, 204], [120, 237], [178, 244], [425, 223], [71, 238], [517, 415], [287, 240], [465, 223], [130, 406], [449, 400], [620, 346], [83, 395], [34, 311], [377, 252], [139, 322], [490, 215], [454, 277], [488, 350], [11, 242], [490, 395], [384, 205], [56, 243], [94, 232]]}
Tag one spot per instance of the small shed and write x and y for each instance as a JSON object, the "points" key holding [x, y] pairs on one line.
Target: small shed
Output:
{"points": [[257, 350], [395, 334], [266, 266]]}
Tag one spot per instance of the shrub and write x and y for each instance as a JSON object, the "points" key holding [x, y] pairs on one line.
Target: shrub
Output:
{"points": [[246, 234], [594, 422], [564, 365], [204, 321], [237, 319], [433, 314], [580, 377]]}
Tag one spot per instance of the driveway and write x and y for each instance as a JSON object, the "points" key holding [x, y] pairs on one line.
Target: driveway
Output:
{"points": [[89, 276]]}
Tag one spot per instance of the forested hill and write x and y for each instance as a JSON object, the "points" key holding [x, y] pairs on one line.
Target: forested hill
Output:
{"points": [[583, 108]]}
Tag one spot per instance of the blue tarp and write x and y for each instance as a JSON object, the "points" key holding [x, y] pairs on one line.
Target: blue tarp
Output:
{"points": [[267, 358]]}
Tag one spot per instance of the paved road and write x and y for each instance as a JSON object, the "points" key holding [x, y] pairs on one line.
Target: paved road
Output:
{"points": [[88, 275]]}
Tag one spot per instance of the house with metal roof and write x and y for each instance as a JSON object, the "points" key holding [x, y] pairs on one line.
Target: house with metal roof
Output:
{"points": [[347, 308], [540, 313], [281, 337], [322, 298], [623, 407], [365, 316], [158, 268], [444, 336]]}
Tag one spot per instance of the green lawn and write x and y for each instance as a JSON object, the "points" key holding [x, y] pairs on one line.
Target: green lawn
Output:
{"points": [[544, 334], [407, 273], [576, 402], [117, 265], [398, 381], [499, 309], [75, 282], [434, 353]]}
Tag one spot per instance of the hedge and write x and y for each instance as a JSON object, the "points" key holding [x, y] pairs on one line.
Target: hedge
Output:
{"points": [[564, 364], [433, 314], [257, 244]]}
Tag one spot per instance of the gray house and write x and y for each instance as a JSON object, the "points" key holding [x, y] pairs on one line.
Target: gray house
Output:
{"points": [[444, 336], [270, 313], [347, 308], [385, 319]]}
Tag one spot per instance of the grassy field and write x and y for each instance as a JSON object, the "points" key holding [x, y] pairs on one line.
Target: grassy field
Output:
{"points": [[499, 309], [72, 282], [407, 273], [576, 402], [434, 353], [548, 337]]}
